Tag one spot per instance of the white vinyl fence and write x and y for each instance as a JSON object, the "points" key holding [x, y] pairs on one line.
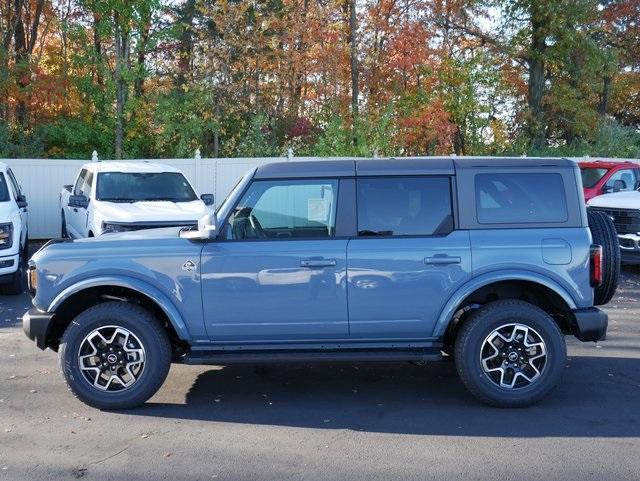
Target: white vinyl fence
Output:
{"points": [[43, 179]]}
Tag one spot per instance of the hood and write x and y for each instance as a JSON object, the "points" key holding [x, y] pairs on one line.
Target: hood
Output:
{"points": [[150, 211], [617, 200], [142, 234]]}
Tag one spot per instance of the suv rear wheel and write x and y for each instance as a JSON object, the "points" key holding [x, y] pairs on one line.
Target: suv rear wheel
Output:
{"points": [[510, 353], [115, 355]]}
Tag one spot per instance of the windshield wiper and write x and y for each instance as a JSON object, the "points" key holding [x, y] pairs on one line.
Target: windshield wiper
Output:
{"points": [[118, 199]]}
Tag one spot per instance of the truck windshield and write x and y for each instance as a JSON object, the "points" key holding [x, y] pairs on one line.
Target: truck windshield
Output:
{"points": [[591, 175], [4, 191], [138, 186]]}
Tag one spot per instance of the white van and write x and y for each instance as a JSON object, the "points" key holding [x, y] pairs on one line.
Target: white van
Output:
{"points": [[13, 233]]}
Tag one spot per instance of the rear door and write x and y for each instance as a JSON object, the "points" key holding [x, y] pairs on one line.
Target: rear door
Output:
{"points": [[407, 258]]}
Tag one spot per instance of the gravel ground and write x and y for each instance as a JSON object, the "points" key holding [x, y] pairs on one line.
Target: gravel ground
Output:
{"points": [[327, 422]]}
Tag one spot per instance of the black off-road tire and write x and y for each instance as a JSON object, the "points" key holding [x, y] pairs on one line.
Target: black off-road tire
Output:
{"points": [[604, 234], [144, 326], [480, 324]]}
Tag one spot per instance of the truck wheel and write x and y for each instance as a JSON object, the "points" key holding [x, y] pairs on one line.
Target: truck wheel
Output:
{"points": [[63, 228], [115, 355], [510, 353], [604, 233]]}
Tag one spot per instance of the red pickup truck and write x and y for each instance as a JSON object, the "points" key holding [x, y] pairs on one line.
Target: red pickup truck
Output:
{"points": [[604, 176]]}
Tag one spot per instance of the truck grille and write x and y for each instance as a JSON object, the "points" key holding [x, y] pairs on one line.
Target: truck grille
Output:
{"points": [[627, 221]]}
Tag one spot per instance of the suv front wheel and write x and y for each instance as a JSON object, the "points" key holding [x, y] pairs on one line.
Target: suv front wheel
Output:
{"points": [[115, 355], [510, 353]]}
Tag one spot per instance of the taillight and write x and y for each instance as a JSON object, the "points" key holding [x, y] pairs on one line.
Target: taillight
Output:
{"points": [[596, 265]]}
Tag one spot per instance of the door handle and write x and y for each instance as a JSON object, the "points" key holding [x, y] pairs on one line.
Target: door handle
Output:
{"points": [[442, 260], [318, 263]]}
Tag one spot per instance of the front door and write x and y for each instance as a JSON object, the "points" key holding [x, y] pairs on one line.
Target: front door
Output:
{"points": [[76, 217], [278, 273], [407, 259]]}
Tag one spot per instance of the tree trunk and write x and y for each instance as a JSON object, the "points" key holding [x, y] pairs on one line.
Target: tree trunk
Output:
{"points": [[23, 48], [97, 50], [185, 48], [122, 60], [536, 82], [145, 28], [353, 47], [605, 95]]}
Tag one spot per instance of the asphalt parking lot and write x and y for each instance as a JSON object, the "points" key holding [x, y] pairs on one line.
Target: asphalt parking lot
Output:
{"points": [[327, 422]]}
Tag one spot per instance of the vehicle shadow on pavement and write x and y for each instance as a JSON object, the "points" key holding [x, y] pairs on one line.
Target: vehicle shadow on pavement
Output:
{"points": [[410, 399]]}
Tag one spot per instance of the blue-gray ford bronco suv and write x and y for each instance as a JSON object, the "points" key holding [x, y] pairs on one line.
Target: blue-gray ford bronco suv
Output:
{"points": [[487, 261]]}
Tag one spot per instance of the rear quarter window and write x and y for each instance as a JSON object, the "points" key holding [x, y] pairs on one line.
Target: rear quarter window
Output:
{"points": [[520, 198]]}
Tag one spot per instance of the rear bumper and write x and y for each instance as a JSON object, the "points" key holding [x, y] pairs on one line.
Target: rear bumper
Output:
{"points": [[35, 324], [591, 324]]}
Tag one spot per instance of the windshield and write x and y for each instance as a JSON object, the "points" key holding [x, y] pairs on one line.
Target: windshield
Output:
{"points": [[137, 186], [4, 191], [224, 208], [591, 175]]}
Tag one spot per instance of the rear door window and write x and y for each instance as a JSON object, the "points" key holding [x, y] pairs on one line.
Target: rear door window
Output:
{"points": [[522, 198], [404, 206]]}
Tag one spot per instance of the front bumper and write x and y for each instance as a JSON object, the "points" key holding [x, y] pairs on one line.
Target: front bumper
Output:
{"points": [[8, 266], [591, 324], [35, 324], [629, 248]]}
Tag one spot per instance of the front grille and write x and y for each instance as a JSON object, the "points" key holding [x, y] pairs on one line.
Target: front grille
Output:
{"points": [[627, 221]]}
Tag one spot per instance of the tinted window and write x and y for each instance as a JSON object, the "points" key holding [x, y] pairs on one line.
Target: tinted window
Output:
{"points": [[591, 176], [395, 206], [285, 209], [520, 198], [4, 191], [621, 181], [139, 186]]}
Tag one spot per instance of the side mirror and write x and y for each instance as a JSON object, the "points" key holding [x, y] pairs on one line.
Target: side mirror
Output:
{"points": [[619, 185], [21, 200], [78, 201], [206, 229], [207, 199]]}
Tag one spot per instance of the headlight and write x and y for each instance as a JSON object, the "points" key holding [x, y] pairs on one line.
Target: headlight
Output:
{"points": [[32, 280], [6, 235], [109, 227]]}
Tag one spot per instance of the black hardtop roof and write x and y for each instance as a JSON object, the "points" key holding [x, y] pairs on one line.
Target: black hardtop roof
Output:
{"points": [[399, 166]]}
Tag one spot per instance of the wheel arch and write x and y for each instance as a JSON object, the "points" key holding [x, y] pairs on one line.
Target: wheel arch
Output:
{"points": [[538, 290], [81, 295]]}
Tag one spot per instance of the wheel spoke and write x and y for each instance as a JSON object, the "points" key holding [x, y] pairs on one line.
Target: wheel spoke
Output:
{"points": [[111, 358], [508, 354]]}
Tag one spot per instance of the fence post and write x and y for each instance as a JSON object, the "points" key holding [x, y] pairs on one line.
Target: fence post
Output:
{"points": [[197, 171], [289, 154], [94, 157]]}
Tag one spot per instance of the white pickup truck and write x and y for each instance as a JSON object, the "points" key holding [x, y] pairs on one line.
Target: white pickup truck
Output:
{"points": [[124, 196], [13, 233], [624, 209]]}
